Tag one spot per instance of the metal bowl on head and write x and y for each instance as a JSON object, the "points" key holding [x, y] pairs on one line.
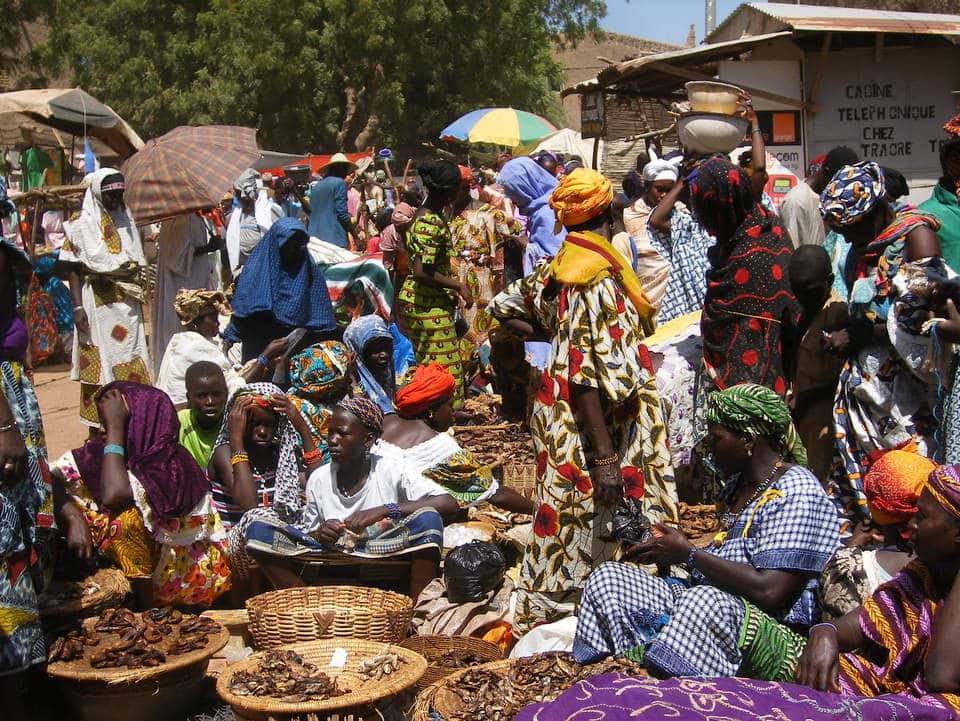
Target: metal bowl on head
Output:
{"points": [[713, 97], [709, 133]]}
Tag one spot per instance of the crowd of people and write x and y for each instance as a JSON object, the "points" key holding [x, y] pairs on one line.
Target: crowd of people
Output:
{"points": [[681, 340]]}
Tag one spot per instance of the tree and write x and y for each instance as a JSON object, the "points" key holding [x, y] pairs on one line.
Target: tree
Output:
{"points": [[315, 74]]}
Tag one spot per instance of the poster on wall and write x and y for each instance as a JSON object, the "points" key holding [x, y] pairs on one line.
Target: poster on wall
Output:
{"points": [[891, 111], [592, 115]]}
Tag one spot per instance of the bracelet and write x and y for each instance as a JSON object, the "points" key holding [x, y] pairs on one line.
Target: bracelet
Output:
{"points": [[262, 360], [239, 457], [9, 427], [756, 130], [824, 625], [311, 457], [393, 511], [612, 460], [114, 449], [691, 557], [77, 307]]}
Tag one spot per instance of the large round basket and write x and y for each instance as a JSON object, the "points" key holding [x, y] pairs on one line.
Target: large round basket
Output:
{"points": [[521, 477], [311, 613], [111, 588], [438, 698], [361, 692], [433, 648], [169, 690]]}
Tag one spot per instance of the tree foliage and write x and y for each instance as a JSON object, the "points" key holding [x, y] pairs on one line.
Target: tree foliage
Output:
{"points": [[315, 74]]}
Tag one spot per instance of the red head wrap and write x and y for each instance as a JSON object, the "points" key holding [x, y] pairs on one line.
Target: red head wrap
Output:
{"points": [[428, 385]]}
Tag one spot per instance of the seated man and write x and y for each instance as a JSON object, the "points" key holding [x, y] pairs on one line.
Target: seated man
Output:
{"points": [[361, 504], [904, 638], [200, 420]]}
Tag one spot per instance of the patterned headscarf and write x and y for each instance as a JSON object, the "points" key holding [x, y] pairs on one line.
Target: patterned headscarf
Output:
{"points": [[318, 370], [286, 500], [246, 184], [358, 334], [893, 483], [366, 411], [852, 193], [749, 409], [944, 486], [191, 304], [580, 196], [403, 214], [722, 199]]}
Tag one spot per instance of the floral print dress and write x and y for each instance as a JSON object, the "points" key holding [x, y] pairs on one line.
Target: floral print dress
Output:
{"points": [[597, 342]]}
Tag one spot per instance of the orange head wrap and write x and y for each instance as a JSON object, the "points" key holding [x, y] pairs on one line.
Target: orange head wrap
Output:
{"points": [[580, 196], [466, 176], [428, 385], [893, 484]]}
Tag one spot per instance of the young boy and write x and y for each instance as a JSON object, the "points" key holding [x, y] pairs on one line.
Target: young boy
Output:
{"points": [[200, 420], [813, 370]]}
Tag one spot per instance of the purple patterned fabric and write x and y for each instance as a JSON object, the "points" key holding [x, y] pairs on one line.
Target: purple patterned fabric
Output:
{"points": [[171, 478], [614, 697]]}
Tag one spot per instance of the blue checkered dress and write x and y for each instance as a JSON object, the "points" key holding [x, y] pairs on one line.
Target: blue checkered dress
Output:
{"points": [[685, 248], [796, 528]]}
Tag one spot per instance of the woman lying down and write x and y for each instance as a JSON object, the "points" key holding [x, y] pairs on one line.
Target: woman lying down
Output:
{"points": [[360, 504]]}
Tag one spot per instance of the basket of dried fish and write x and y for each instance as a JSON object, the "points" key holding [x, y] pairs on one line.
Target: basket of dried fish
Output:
{"points": [[448, 654], [497, 691], [154, 661], [311, 613], [317, 677], [89, 596]]}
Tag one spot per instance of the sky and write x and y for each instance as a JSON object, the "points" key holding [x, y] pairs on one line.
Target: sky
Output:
{"points": [[665, 20]]}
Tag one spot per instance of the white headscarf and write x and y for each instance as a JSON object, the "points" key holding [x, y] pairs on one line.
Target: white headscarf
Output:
{"points": [[658, 169], [88, 244]]}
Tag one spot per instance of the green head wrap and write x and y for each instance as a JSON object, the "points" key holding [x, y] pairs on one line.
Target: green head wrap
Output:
{"points": [[749, 409]]}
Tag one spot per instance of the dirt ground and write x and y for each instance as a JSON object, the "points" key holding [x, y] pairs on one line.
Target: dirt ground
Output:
{"points": [[59, 402]]}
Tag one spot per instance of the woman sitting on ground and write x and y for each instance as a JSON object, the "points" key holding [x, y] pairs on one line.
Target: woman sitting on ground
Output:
{"points": [[904, 638], [146, 503], [255, 468], [416, 435], [879, 548], [199, 312], [360, 503], [319, 378], [371, 342], [750, 587]]}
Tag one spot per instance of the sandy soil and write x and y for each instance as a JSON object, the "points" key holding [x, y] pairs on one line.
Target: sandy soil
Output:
{"points": [[59, 402]]}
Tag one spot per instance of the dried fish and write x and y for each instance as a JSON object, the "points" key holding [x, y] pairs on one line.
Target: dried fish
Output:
{"points": [[376, 667], [286, 676]]}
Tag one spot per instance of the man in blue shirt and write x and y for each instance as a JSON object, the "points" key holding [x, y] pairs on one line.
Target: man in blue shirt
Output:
{"points": [[329, 219]]}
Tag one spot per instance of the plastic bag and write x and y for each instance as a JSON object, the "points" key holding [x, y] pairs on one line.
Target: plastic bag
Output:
{"points": [[472, 570]]}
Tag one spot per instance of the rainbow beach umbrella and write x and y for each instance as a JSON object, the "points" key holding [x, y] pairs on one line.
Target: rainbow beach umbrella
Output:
{"points": [[499, 126]]}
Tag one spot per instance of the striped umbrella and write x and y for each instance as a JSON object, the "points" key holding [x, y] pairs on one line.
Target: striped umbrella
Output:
{"points": [[499, 126], [188, 169]]}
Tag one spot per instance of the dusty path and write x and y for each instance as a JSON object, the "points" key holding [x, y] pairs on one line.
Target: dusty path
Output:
{"points": [[59, 401]]}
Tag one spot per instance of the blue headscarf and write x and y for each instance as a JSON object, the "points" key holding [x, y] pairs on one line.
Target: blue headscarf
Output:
{"points": [[357, 335], [530, 186], [297, 298]]}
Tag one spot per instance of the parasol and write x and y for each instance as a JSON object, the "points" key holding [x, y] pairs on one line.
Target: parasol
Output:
{"points": [[500, 126], [188, 169], [55, 117]]}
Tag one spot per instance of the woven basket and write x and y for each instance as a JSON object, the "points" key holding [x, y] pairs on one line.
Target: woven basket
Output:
{"points": [[432, 647], [361, 692], [521, 477], [437, 697], [114, 587], [310, 613]]}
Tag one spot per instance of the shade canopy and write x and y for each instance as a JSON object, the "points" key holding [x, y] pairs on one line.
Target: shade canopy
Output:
{"points": [[499, 126]]}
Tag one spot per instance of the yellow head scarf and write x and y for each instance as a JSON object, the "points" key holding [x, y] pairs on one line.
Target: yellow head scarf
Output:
{"points": [[580, 196]]}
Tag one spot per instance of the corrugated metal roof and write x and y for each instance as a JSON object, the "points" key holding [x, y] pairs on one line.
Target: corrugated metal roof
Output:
{"points": [[687, 56], [817, 18]]}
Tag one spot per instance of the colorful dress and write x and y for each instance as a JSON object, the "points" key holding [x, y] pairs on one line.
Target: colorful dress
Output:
{"points": [[478, 243], [886, 395], [597, 342], [897, 622], [107, 245], [186, 556], [26, 529], [699, 630], [428, 310]]}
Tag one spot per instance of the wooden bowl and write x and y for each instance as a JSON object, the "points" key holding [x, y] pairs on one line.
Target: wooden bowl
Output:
{"points": [[712, 97]]}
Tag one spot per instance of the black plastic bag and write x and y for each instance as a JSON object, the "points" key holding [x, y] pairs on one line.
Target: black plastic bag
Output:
{"points": [[472, 570], [630, 525]]}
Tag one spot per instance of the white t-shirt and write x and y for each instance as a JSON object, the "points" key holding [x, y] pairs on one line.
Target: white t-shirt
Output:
{"points": [[387, 483], [800, 214]]}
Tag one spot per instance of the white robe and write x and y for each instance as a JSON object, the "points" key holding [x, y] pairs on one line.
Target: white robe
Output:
{"points": [[186, 348], [177, 269]]}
